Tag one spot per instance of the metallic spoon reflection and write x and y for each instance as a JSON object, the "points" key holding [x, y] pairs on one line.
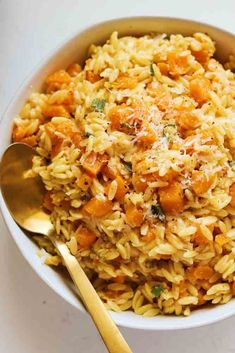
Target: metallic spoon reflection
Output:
{"points": [[23, 193]]}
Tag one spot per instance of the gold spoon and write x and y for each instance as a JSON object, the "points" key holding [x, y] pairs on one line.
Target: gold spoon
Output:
{"points": [[23, 196]]}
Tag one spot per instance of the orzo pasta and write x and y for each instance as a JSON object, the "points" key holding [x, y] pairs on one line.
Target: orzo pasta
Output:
{"points": [[137, 152]]}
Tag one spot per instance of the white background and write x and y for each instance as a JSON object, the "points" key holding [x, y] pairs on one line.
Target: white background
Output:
{"points": [[33, 319]]}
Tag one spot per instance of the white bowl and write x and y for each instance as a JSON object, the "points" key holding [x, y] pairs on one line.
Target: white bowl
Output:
{"points": [[76, 49]]}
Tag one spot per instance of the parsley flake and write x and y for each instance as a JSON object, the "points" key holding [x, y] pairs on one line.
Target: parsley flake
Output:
{"points": [[126, 126], [152, 73], [88, 134], [158, 212], [157, 290], [128, 166], [98, 104]]}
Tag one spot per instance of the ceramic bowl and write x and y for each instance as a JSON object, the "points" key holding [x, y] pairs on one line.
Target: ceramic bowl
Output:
{"points": [[75, 49]]}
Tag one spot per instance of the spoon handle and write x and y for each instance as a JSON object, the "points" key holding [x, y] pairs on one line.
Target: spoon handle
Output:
{"points": [[110, 333]]}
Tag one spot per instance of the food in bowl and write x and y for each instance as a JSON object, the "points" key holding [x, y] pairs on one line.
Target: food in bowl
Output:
{"points": [[136, 151]]}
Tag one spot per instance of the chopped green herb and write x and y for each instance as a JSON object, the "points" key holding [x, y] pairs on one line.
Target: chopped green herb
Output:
{"points": [[231, 163], [98, 104], [169, 130], [152, 73], [157, 290], [158, 212], [88, 134], [128, 166], [126, 126]]}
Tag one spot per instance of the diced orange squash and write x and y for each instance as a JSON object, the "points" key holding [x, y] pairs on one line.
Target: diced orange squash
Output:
{"points": [[158, 57], [53, 87], [85, 237], [201, 299], [120, 279], [60, 76], [92, 77], [121, 189], [149, 236], [221, 239], [199, 89], [164, 68], [202, 56], [66, 128], [126, 118], [57, 146], [172, 198], [199, 238], [74, 69], [232, 194], [205, 284], [206, 51], [18, 133], [119, 115], [201, 182], [189, 274], [169, 177], [108, 172], [139, 182], [30, 140], [183, 286], [51, 111], [187, 120], [147, 137], [134, 216], [84, 182], [76, 138], [94, 162], [203, 272], [123, 82], [47, 201], [114, 116], [178, 64], [98, 208]]}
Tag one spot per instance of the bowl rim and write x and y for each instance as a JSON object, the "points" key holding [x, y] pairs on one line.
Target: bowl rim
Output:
{"points": [[9, 222]]}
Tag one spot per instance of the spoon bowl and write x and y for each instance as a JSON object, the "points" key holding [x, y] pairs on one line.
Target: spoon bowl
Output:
{"points": [[23, 193]]}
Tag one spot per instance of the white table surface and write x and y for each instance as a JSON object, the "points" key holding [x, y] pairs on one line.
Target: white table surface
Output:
{"points": [[33, 319]]}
